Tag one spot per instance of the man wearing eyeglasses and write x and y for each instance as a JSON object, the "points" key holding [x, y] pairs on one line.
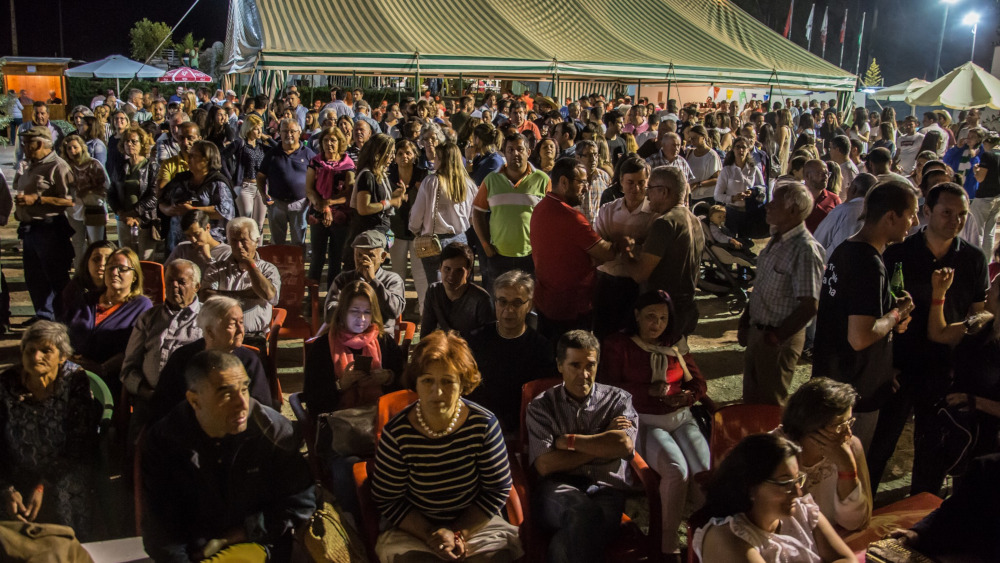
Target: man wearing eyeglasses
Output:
{"points": [[282, 180], [509, 352]]}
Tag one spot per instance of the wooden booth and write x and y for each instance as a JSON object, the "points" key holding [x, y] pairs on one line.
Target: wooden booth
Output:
{"points": [[40, 76]]}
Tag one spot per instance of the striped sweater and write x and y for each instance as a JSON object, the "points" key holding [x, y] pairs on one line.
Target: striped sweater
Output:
{"points": [[440, 477]]}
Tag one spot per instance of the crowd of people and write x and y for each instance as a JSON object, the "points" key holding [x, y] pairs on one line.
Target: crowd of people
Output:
{"points": [[542, 240]]}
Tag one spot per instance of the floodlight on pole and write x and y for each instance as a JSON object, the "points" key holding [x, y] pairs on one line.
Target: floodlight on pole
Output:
{"points": [[972, 18], [937, 60]]}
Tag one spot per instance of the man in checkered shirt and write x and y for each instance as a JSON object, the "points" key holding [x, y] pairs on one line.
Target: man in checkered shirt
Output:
{"points": [[785, 297]]}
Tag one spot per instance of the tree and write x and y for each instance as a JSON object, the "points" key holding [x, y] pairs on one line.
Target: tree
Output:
{"points": [[147, 36], [873, 76], [188, 42]]}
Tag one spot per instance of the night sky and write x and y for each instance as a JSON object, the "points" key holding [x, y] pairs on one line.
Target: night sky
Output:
{"points": [[904, 41]]}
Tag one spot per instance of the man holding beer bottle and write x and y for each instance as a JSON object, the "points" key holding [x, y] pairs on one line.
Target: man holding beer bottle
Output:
{"points": [[924, 366], [857, 312]]}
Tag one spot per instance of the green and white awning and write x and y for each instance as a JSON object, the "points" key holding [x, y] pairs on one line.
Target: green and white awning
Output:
{"points": [[683, 41]]}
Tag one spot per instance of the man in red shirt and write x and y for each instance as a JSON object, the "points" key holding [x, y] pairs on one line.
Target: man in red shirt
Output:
{"points": [[519, 119], [815, 174], [567, 254]]}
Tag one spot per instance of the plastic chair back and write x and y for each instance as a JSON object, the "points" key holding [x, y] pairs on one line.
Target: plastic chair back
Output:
{"points": [[290, 262], [732, 423], [391, 404], [103, 396], [153, 284]]}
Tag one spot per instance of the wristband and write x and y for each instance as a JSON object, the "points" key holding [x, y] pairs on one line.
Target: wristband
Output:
{"points": [[895, 315], [935, 302], [40, 488], [847, 475], [385, 204], [459, 536], [571, 442]]}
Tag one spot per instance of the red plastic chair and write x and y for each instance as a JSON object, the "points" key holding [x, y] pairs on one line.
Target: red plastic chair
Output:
{"points": [[290, 262], [732, 423], [278, 318], [153, 285], [631, 544], [900, 515]]}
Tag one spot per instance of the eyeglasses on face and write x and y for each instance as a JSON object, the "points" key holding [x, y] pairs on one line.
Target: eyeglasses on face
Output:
{"points": [[790, 485], [116, 269], [515, 304]]}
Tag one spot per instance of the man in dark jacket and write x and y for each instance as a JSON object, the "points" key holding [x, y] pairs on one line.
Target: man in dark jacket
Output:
{"points": [[222, 470]]}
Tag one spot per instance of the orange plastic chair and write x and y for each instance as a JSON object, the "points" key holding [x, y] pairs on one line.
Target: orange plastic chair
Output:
{"points": [[289, 261], [391, 404], [153, 285], [732, 423], [405, 331], [631, 544]]}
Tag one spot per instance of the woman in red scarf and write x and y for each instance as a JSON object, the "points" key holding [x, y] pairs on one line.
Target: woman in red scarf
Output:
{"points": [[329, 181], [350, 367], [336, 373]]}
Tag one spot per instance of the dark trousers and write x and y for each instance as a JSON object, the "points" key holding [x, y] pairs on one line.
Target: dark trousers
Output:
{"points": [[929, 468], [614, 302], [48, 257], [328, 245], [477, 248], [432, 264], [500, 265], [583, 519]]}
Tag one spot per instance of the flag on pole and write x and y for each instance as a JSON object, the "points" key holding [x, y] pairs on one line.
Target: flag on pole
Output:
{"points": [[788, 21], [843, 31], [822, 31], [809, 28], [861, 33]]}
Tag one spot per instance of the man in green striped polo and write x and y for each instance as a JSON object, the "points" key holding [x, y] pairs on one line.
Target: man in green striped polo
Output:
{"points": [[510, 196]]}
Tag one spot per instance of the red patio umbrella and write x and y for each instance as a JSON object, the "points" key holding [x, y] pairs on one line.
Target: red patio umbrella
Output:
{"points": [[185, 74]]}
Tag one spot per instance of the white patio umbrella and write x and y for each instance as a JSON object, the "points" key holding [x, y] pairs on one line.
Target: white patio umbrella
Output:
{"points": [[968, 86], [117, 67], [898, 92]]}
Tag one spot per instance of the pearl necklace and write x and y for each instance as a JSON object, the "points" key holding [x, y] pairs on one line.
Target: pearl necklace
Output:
{"points": [[446, 431]]}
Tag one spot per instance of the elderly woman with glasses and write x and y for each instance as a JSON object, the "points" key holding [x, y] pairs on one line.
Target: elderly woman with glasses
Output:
{"points": [[759, 513], [818, 418], [99, 327], [48, 433]]}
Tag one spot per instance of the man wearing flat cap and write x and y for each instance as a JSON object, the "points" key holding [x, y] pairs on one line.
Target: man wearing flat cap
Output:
{"points": [[369, 254], [43, 187]]}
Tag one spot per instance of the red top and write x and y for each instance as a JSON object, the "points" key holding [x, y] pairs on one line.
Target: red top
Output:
{"points": [[625, 365], [565, 273], [825, 203], [531, 128]]}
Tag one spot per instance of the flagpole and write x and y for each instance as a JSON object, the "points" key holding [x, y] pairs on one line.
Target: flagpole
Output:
{"points": [[809, 26], [823, 31], [788, 21], [843, 32], [861, 34]]}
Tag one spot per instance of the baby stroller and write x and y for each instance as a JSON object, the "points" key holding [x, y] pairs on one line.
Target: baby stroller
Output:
{"points": [[717, 268]]}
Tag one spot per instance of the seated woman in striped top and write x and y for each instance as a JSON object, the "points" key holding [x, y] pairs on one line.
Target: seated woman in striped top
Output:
{"points": [[441, 474]]}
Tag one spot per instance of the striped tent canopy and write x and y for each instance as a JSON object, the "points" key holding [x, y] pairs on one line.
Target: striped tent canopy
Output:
{"points": [[655, 41]]}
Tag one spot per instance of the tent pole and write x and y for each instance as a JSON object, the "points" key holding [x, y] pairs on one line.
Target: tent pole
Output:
{"points": [[249, 82], [638, 90], [416, 81]]}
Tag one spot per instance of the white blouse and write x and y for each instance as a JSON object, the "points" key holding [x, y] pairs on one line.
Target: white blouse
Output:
{"points": [[452, 217], [734, 180], [792, 543]]}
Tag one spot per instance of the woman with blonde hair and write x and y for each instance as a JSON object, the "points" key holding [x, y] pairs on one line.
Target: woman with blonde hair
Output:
{"points": [[90, 193], [189, 102], [100, 326], [444, 204], [244, 157]]}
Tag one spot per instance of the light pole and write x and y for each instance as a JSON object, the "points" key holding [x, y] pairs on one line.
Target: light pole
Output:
{"points": [[972, 18], [944, 21]]}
